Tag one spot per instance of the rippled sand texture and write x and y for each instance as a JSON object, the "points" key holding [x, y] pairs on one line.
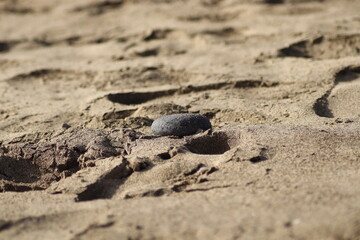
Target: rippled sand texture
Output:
{"points": [[82, 81]]}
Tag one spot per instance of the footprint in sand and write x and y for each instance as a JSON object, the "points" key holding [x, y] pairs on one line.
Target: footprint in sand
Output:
{"points": [[340, 100], [345, 94]]}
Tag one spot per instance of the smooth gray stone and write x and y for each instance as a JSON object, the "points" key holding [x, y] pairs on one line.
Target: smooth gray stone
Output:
{"points": [[180, 124]]}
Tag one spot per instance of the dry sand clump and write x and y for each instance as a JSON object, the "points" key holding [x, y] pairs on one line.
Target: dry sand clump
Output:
{"points": [[82, 81]]}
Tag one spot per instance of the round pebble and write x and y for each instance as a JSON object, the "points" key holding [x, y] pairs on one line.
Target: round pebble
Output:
{"points": [[180, 124]]}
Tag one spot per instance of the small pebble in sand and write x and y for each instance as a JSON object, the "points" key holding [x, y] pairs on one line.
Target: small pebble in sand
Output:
{"points": [[180, 124]]}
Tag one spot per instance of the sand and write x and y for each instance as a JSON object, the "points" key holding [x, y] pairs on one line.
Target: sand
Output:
{"points": [[82, 81]]}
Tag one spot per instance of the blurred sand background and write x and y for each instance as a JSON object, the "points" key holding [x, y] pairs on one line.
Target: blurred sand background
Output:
{"points": [[81, 82]]}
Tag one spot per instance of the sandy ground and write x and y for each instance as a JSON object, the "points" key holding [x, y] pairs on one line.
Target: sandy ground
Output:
{"points": [[82, 81]]}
